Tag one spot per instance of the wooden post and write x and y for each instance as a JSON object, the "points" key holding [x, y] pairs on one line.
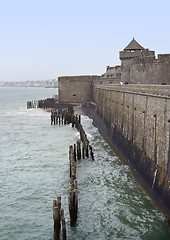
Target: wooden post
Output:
{"points": [[79, 119], [65, 118], [71, 202], [76, 204], [72, 195], [56, 118], [70, 158], [59, 202], [56, 216], [54, 203], [62, 117], [72, 120], [75, 152], [68, 120], [83, 150], [75, 120], [75, 184], [59, 118], [91, 152], [63, 224], [52, 117], [87, 149], [71, 182], [73, 170], [78, 150]]}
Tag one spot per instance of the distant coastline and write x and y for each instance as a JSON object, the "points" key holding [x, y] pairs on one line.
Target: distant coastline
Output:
{"points": [[51, 83]]}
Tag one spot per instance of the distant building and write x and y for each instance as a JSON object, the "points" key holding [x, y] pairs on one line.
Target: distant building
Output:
{"points": [[112, 72]]}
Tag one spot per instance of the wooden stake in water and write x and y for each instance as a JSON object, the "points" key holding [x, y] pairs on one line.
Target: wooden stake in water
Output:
{"points": [[63, 224], [56, 216]]}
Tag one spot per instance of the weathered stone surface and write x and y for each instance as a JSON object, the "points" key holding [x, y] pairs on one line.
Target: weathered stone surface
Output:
{"points": [[137, 120], [75, 89], [142, 67]]}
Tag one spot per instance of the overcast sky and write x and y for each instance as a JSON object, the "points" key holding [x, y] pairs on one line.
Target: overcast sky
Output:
{"points": [[44, 39]]}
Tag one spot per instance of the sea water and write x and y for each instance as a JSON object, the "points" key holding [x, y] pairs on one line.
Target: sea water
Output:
{"points": [[34, 170]]}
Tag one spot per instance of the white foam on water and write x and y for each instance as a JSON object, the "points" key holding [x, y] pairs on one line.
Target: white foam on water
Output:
{"points": [[28, 112]]}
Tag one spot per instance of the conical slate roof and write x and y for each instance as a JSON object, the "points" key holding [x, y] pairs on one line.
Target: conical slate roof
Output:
{"points": [[133, 45]]}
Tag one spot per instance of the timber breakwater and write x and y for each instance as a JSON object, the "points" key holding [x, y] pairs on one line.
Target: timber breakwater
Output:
{"points": [[136, 121], [80, 150]]}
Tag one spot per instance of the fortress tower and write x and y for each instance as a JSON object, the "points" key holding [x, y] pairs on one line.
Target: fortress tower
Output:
{"points": [[128, 57]]}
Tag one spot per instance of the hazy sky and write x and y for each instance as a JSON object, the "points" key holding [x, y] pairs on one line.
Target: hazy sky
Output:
{"points": [[44, 39]]}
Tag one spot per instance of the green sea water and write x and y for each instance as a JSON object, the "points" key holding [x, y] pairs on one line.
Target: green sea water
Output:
{"points": [[34, 170]]}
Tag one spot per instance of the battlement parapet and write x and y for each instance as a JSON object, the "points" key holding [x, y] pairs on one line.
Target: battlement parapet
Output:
{"points": [[164, 57], [146, 59], [83, 78], [136, 54]]}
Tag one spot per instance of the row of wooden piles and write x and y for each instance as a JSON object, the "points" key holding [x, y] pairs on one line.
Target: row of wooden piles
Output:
{"points": [[46, 103], [62, 116], [66, 116], [37, 104], [79, 150], [33, 104]]}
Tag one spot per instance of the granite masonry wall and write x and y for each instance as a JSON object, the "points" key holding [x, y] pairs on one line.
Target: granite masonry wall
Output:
{"points": [[136, 118], [148, 71], [76, 89]]}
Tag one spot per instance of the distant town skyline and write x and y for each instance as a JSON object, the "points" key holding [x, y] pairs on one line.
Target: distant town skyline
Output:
{"points": [[43, 39], [51, 83]]}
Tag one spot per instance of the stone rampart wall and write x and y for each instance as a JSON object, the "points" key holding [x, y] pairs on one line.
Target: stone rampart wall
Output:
{"points": [[146, 69], [75, 89], [138, 118], [154, 72]]}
